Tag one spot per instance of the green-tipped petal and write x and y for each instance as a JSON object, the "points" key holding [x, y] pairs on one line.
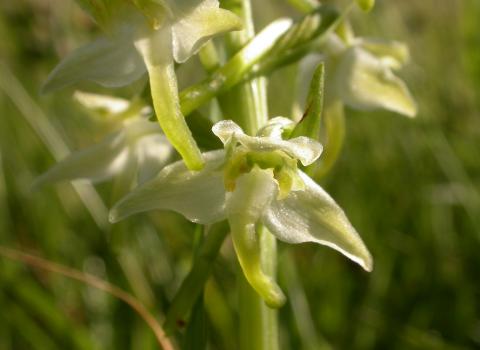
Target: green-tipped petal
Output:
{"points": [[111, 62], [313, 216], [198, 195], [96, 163], [192, 30], [302, 148], [253, 193], [363, 81], [157, 53]]}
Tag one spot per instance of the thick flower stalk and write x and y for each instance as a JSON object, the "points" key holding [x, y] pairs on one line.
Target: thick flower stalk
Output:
{"points": [[253, 181], [147, 36], [137, 149]]}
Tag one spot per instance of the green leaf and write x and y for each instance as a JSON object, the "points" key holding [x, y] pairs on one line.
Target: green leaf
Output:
{"points": [[196, 337], [309, 125], [300, 39], [193, 285]]}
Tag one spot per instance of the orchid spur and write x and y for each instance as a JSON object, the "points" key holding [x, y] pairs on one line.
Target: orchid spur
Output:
{"points": [[136, 149], [253, 181], [148, 36]]}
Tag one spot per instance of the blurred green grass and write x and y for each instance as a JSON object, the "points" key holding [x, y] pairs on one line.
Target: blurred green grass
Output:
{"points": [[411, 188]]}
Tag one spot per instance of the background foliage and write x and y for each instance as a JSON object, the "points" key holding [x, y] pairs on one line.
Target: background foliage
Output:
{"points": [[411, 188]]}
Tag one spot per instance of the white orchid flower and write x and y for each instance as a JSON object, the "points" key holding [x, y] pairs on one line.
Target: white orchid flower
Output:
{"points": [[255, 180], [137, 148], [171, 30], [362, 74]]}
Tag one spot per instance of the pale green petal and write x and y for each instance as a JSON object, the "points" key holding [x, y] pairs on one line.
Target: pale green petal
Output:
{"points": [[96, 163], [153, 152], [302, 148], [198, 195], [393, 53], [101, 103], [111, 62], [313, 216], [363, 81], [253, 193], [194, 28]]}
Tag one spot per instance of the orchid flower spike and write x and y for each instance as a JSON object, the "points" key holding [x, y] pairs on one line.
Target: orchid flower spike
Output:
{"points": [[147, 36], [362, 74], [254, 180], [137, 148]]}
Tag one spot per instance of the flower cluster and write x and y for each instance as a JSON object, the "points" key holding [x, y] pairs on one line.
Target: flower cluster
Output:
{"points": [[172, 32], [136, 149], [255, 180]]}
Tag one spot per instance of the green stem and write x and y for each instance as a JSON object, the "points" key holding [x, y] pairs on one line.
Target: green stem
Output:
{"points": [[234, 71], [246, 104], [193, 284]]}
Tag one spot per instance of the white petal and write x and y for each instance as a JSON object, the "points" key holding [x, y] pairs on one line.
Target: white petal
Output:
{"points": [[96, 163], [195, 27], [153, 152], [313, 216], [198, 195], [101, 103], [225, 129], [393, 53], [302, 148], [363, 81], [111, 62]]}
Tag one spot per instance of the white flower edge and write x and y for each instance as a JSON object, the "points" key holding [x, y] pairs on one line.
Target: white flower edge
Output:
{"points": [[302, 148]]}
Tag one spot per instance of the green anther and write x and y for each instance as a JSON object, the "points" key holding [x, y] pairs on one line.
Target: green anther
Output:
{"points": [[284, 169]]}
